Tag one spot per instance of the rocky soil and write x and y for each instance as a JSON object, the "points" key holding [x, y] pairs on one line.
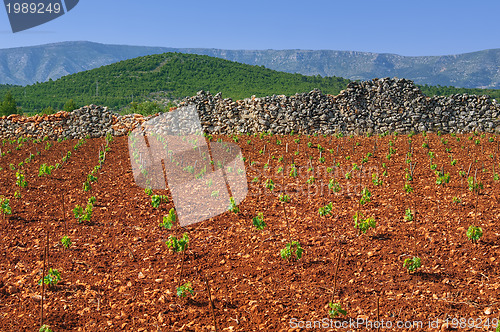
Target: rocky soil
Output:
{"points": [[119, 274]]}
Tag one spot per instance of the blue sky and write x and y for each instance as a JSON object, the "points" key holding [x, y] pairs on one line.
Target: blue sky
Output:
{"points": [[403, 27]]}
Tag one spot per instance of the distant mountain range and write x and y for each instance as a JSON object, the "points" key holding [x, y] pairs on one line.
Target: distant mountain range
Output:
{"points": [[28, 65]]}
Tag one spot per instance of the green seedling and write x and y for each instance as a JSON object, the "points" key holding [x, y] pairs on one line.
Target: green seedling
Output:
{"points": [[83, 215], [474, 186], [5, 206], [102, 157], [20, 181], [30, 158], [91, 178], [284, 198], [258, 221], [311, 180], [269, 184], [255, 179], [334, 186], [232, 206], [45, 170], [408, 158], [80, 143], [215, 193], [336, 310], [290, 249], [408, 175], [442, 178], [474, 233], [178, 245], [156, 200], [169, 219], [148, 191], [66, 242], [52, 278], [408, 215], [45, 328], [326, 210], [456, 200], [365, 196], [376, 180], [17, 194], [66, 157], [189, 169], [363, 225], [203, 171], [412, 264], [87, 186], [408, 188]]}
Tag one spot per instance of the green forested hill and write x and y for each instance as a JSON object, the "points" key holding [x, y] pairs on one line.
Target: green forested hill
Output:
{"points": [[179, 75], [450, 90]]}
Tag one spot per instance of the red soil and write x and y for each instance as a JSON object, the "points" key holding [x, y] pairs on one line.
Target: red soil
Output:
{"points": [[119, 274]]}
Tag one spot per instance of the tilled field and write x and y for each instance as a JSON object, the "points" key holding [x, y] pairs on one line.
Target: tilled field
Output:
{"points": [[119, 274]]}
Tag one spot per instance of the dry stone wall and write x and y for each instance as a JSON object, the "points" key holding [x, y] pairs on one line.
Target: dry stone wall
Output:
{"points": [[92, 120], [376, 106]]}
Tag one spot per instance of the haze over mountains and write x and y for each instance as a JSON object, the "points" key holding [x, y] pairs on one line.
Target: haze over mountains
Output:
{"points": [[28, 65]]}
